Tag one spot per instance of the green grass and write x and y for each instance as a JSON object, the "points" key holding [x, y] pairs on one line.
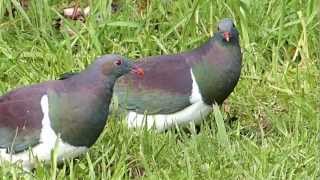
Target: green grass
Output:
{"points": [[276, 105]]}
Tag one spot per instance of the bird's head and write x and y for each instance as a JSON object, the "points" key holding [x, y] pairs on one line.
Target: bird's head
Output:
{"points": [[117, 66], [227, 29]]}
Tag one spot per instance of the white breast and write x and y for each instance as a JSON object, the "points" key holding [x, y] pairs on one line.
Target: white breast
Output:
{"points": [[48, 141], [194, 113]]}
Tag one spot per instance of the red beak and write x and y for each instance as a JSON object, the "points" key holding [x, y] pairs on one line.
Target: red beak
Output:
{"points": [[227, 36], [138, 71]]}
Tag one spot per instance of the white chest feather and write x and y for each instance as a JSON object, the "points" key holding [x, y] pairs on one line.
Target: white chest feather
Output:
{"points": [[194, 113], [48, 141]]}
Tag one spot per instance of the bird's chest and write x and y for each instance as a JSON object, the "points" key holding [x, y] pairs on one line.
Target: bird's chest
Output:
{"points": [[215, 81], [78, 118]]}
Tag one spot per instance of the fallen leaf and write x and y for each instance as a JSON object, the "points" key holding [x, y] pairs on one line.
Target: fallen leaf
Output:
{"points": [[76, 13]]}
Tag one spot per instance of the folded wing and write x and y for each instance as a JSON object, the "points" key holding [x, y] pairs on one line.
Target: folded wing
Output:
{"points": [[165, 88]]}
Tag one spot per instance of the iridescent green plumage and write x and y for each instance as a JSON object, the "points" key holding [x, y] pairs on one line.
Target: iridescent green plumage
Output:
{"points": [[78, 107], [167, 85]]}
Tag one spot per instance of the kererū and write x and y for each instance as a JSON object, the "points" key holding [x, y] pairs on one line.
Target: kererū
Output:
{"points": [[182, 88], [67, 115]]}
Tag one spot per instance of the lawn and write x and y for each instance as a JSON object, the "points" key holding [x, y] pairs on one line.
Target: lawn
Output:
{"points": [[271, 126]]}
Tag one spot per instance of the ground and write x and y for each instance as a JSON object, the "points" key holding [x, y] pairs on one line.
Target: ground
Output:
{"points": [[268, 129]]}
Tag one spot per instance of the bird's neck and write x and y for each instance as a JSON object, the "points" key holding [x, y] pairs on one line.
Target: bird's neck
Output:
{"points": [[95, 83], [216, 45]]}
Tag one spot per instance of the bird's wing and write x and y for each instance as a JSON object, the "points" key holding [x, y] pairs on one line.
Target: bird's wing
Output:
{"points": [[20, 119], [165, 88]]}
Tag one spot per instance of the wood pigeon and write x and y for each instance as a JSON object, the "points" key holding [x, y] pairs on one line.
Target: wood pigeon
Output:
{"points": [[182, 88], [66, 115]]}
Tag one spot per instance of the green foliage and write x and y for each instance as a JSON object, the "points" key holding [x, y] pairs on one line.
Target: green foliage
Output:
{"points": [[276, 103]]}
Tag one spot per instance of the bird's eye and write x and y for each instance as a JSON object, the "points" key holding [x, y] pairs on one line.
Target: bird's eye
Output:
{"points": [[118, 62], [233, 25]]}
